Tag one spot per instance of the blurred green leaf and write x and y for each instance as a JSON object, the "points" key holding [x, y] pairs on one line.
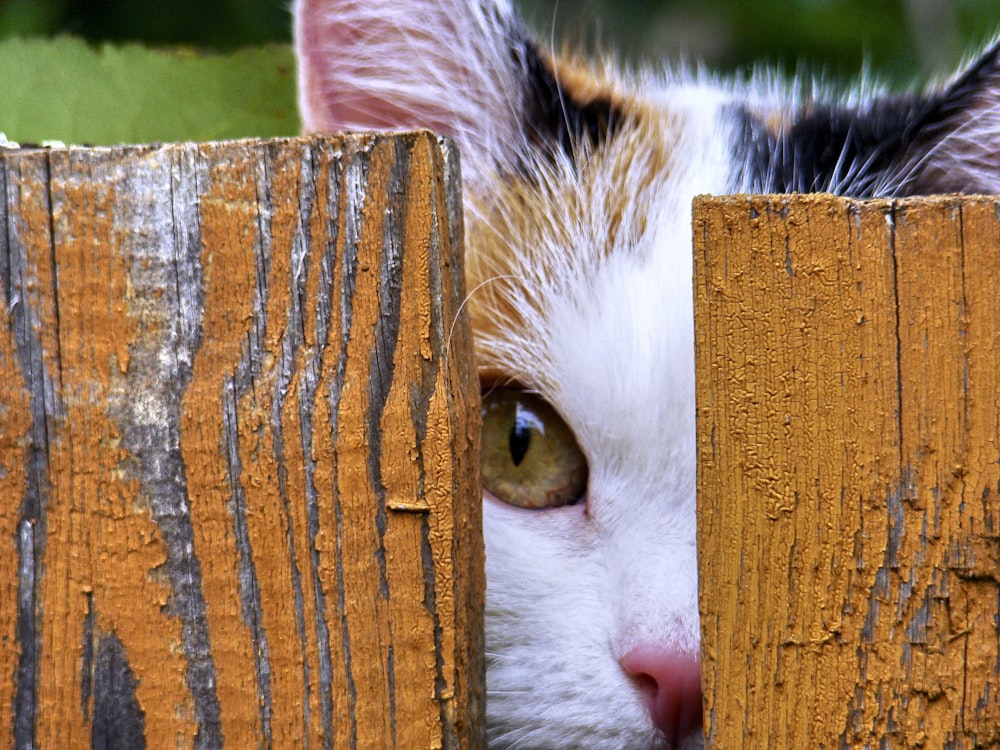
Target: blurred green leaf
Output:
{"points": [[67, 90]]}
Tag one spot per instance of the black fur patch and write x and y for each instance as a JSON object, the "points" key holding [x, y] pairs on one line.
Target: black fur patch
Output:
{"points": [[831, 148], [553, 118], [877, 148]]}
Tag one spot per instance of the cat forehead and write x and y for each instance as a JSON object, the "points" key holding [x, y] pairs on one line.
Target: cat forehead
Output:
{"points": [[544, 239], [592, 188], [592, 203], [548, 227]]}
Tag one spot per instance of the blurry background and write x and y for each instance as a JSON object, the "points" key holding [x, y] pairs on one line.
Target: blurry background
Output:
{"points": [[901, 39]]}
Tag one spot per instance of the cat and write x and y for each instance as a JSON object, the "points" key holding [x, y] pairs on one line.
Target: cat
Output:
{"points": [[578, 179]]}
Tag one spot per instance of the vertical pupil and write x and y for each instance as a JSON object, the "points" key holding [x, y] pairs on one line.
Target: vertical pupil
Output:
{"points": [[520, 439]]}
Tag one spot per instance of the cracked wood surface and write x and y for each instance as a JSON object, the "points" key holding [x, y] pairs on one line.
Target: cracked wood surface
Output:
{"points": [[238, 448], [848, 358]]}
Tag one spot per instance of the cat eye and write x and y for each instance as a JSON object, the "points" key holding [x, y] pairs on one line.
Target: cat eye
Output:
{"points": [[529, 455]]}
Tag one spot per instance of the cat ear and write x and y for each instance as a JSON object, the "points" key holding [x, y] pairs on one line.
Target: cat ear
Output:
{"points": [[464, 68], [447, 66], [957, 136]]}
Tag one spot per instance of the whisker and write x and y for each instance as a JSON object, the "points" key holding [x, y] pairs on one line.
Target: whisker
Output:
{"points": [[468, 297]]}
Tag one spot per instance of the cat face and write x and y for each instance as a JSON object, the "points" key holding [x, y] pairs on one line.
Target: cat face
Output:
{"points": [[578, 181]]}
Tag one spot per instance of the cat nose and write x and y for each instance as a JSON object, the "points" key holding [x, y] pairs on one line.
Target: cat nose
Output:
{"points": [[670, 682]]}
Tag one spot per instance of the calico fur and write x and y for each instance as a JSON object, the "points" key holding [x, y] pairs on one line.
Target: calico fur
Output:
{"points": [[578, 184]]}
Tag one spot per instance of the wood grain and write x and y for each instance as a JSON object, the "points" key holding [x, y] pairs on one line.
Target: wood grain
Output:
{"points": [[849, 470], [238, 448]]}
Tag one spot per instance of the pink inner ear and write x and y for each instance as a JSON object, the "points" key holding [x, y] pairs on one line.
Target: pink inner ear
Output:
{"points": [[361, 67], [316, 39]]}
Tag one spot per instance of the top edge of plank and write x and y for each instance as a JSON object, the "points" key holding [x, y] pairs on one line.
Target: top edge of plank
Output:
{"points": [[779, 201], [354, 141]]}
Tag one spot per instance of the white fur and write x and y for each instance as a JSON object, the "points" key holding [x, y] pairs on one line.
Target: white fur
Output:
{"points": [[609, 345]]}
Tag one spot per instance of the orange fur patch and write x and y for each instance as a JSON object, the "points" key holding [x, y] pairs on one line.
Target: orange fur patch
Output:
{"points": [[556, 217]]}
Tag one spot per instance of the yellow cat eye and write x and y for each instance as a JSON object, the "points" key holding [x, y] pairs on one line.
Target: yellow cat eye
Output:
{"points": [[530, 457]]}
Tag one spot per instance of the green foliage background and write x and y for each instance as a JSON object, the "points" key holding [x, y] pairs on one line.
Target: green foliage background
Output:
{"points": [[67, 90], [99, 93], [901, 37]]}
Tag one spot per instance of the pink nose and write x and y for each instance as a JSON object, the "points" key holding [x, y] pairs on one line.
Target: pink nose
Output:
{"points": [[671, 684]]}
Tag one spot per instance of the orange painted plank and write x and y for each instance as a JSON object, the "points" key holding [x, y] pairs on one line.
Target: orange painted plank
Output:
{"points": [[848, 512], [238, 448]]}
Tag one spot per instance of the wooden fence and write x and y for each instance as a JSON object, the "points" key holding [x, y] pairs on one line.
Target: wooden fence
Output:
{"points": [[848, 356], [238, 448], [239, 456]]}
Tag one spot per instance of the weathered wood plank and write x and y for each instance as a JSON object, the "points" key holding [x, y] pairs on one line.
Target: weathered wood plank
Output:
{"points": [[849, 471], [238, 441]]}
